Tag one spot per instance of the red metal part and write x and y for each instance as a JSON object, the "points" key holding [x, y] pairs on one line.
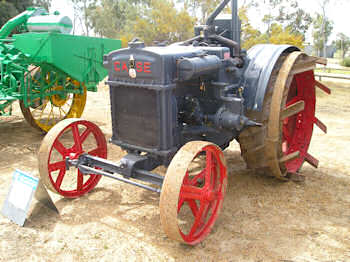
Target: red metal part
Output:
{"points": [[323, 87], [73, 153], [204, 194], [298, 129]]}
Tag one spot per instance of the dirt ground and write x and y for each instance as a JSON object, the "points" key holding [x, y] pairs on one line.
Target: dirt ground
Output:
{"points": [[262, 219]]}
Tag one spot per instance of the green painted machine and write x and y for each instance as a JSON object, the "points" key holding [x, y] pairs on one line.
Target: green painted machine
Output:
{"points": [[47, 70]]}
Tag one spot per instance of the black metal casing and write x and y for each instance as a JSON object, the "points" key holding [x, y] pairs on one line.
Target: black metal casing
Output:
{"points": [[145, 108], [165, 96]]}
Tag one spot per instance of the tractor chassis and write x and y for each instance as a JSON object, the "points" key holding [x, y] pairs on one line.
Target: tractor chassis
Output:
{"points": [[127, 168]]}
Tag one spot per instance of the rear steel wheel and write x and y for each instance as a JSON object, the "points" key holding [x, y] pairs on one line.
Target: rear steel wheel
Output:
{"points": [[69, 139], [280, 147], [43, 115], [193, 192]]}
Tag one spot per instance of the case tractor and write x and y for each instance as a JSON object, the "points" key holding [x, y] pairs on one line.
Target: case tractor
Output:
{"points": [[180, 106]]}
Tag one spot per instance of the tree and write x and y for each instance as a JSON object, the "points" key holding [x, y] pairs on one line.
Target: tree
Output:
{"points": [[42, 3], [322, 29], [163, 22], [109, 17], [323, 5], [343, 43], [276, 34], [280, 36], [288, 14], [7, 11], [202, 7], [249, 35], [81, 14]]}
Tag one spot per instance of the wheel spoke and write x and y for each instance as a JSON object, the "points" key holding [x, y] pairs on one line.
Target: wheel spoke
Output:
{"points": [[48, 118], [63, 111], [84, 135], [194, 208], [199, 221], [76, 137], [180, 204], [95, 152], [208, 168], [80, 181], [60, 178], [207, 210], [60, 148], [195, 179], [191, 192], [57, 166]]}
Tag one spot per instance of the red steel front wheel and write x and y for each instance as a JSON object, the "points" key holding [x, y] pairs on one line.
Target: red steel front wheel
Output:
{"points": [[69, 139], [193, 192]]}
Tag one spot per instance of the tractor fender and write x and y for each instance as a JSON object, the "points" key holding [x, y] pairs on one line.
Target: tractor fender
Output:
{"points": [[259, 64]]}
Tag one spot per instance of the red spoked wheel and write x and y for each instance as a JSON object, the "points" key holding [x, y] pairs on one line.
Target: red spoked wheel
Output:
{"points": [[69, 139], [298, 128], [280, 146], [292, 117], [193, 192]]}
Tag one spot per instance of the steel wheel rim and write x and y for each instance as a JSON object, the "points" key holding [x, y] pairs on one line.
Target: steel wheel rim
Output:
{"points": [[298, 129], [73, 153]]}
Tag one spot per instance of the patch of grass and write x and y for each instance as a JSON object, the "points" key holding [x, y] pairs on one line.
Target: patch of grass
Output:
{"points": [[333, 71], [346, 62]]}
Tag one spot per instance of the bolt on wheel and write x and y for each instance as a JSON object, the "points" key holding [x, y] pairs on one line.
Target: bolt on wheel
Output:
{"points": [[69, 139], [44, 114], [193, 192]]}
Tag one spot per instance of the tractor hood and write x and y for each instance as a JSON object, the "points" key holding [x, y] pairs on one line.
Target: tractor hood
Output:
{"points": [[152, 65]]}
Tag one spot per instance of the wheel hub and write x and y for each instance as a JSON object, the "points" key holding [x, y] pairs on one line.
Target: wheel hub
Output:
{"points": [[59, 100]]}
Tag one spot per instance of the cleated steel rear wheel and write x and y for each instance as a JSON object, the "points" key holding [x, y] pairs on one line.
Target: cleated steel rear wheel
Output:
{"points": [[193, 192], [43, 115], [69, 139], [280, 147]]}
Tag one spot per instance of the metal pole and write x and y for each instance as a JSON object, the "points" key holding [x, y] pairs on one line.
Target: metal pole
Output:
{"points": [[235, 21]]}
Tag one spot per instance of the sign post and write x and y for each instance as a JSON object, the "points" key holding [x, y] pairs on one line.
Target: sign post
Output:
{"points": [[19, 198]]}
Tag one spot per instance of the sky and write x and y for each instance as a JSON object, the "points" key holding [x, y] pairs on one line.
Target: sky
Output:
{"points": [[338, 11]]}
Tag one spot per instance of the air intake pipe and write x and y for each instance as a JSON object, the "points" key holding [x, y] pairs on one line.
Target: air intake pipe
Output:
{"points": [[192, 68]]}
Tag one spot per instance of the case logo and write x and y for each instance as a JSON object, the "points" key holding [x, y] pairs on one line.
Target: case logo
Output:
{"points": [[139, 67]]}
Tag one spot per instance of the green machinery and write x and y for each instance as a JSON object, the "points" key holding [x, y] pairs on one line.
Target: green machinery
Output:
{"points": [[46, 69]]}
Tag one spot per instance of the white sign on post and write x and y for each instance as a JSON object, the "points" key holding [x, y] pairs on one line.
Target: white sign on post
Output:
{"points": [[20, 196]]}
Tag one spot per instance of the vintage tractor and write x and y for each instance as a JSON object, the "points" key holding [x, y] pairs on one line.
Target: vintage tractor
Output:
{"points": [[180, 106], [46, 69]]}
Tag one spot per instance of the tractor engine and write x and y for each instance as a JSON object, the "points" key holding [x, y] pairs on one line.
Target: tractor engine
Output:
{"points": [[163, 97]]}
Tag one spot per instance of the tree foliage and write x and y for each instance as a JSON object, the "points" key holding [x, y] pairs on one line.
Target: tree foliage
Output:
{"points": [[289, 14], [317, 34], [150, 20], [280, 36], [163, 22], [202, 7], [343, 43], [43, 3], [250, 36], [9, 9], [109, 17], [275, 34]]}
